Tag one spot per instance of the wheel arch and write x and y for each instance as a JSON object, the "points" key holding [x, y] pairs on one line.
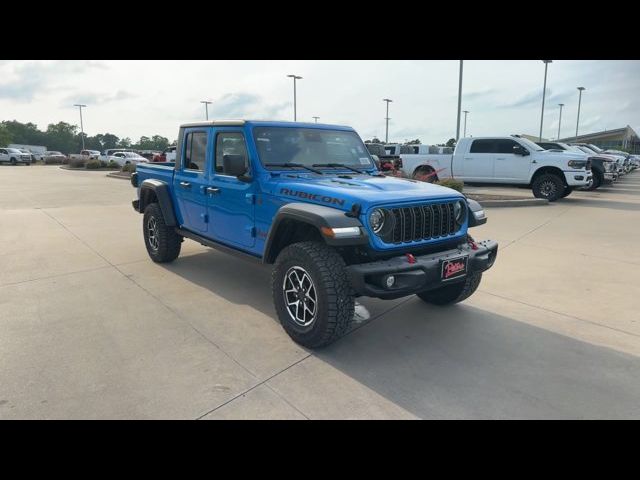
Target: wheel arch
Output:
{"points": [[155, 191], [548, 170], [296, 222]]}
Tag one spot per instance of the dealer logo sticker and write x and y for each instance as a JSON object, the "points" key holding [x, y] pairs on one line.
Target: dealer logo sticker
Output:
{"points": [[454, 268]]}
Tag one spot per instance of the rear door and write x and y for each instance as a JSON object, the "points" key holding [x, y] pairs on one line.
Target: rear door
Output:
{"points": [[508, 166], [478, 163], [190, 180], [231, 201]]}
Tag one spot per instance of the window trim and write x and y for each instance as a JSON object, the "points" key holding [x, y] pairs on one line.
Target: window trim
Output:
{"points": [[215, 151], [183, 155]]}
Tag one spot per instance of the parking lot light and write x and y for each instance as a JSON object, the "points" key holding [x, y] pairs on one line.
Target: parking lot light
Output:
{"points": [[560, 120], [316, 119], [206, 108], [80, 105], [466, 112], [544, 92], [386, 137], [459, 102], [580, 89], [295, 77]]}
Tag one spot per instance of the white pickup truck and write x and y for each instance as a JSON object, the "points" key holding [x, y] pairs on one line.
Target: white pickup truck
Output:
{"points": [[507, 160]]}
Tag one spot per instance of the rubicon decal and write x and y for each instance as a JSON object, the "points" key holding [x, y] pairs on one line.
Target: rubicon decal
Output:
{"points": [[312, 196]]}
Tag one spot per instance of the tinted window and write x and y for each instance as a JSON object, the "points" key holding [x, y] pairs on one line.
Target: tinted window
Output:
{"points": [[482, 146], [230, 143], [505, 146], [195, 151]]}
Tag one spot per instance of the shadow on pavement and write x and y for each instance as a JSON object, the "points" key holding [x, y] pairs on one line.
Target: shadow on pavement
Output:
{"points": [[452, 362]]}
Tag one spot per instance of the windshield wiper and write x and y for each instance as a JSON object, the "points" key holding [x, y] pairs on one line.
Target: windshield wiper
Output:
{"points": [[292, 165], [341, 165]]}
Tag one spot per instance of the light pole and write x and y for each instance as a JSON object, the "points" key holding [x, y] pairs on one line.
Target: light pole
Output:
{"points": [[386, 136], [459, 102], [79, 105], [465, 122], [544, 92], [316, 118], [560, 120], [295, 77], [206, 108], [580, 89]]}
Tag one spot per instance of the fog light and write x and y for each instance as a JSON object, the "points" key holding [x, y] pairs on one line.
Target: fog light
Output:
{"points": [[390, 281]]}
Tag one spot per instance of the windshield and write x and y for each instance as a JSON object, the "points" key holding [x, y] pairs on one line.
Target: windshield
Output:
{"points": [[311, 146], [13, 150], [594, 148], [530, 145]]}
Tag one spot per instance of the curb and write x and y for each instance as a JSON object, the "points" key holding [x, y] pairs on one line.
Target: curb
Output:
{"points": [[122, 177], [514, 203]]}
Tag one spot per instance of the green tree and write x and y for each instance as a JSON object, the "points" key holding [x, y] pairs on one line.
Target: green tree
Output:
{"points": [[124, 143], [62, 137], [5, 135], [451, 142], [414, 142]]}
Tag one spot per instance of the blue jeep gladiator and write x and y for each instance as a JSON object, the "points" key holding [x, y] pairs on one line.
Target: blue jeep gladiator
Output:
{"points": [[309, 199]]}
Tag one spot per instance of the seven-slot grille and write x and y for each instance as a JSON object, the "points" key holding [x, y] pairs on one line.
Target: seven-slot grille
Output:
{"points": [[423, 222]]}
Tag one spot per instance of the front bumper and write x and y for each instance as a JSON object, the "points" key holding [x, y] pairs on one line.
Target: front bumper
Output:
{"points": [[368, 279], [578, 178]]}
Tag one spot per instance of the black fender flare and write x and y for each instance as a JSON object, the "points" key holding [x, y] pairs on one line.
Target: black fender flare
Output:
{"points": [[163, 194], [318, 216]]}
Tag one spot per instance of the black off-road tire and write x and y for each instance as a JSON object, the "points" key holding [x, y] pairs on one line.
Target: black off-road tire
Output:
{"points": [[549, 186], [335, 307], [454, 293], [168, 241], [567, 192], [425, 174], [598, 180]]}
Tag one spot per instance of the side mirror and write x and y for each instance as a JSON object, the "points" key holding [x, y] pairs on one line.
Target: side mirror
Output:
{"points": [[519, 150], [234, 165]]}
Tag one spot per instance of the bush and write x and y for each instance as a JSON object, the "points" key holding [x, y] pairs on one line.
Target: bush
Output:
{"points": [[77, 162], [452, 183], [103, 164], [130, 167], [113, 165], [52, 161], [93, 164]]}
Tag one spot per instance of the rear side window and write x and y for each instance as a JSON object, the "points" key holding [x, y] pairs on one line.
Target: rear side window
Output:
{"points": [[482, 146], [195, 152], [230, 143]]}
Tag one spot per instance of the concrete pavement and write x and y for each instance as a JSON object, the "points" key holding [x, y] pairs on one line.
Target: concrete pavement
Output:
{"points": [[91, 328]]}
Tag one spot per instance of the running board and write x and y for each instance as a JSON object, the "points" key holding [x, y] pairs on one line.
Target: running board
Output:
{"points": [[218, 246]]}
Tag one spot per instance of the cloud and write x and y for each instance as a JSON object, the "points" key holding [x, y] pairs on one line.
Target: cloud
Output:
{"points": [[528, 99], [246, 105], [96, 98]]}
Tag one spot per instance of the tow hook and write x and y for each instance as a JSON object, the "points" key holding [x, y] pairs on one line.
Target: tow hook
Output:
{"points": [[473, 244], [411, 258]]}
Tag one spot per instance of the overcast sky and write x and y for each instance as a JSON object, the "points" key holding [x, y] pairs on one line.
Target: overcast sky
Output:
{"points": [[133, 98]]}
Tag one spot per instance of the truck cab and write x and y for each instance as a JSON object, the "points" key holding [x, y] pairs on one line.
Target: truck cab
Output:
{"points": [[308, 199]]}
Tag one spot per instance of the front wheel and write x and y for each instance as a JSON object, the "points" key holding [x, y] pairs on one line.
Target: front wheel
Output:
{"points": [[312, 294], [567, 192], [548, 186], [454, 293], [425, 174], [13, 161], [162, 242]]}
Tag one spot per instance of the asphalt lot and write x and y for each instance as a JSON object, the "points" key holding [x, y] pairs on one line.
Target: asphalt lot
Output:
{"points": [[91, 328]]}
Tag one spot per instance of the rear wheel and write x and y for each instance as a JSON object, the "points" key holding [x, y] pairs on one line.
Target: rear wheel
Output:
{"points": [[454, 293], [548, 186], [162, 242], [425, 174]]}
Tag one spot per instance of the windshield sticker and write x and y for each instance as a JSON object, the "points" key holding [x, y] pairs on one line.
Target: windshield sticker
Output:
{"points": [[364, 160]]}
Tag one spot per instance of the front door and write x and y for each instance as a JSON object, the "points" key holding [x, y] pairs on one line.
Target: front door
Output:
{"points": [[190, 179], [231, 201], [508, 166]]}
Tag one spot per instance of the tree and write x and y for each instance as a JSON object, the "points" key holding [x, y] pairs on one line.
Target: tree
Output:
{"points": [[414, 142], [124, 143], [451, 142], [62, 137], [5, 135]]}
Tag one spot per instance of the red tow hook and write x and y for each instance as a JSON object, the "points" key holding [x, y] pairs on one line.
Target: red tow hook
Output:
{"points": [[473, 245], [411, 258]]}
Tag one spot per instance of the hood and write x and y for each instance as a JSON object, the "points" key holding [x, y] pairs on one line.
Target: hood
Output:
{"points": [[564, 155], [342, 191]]}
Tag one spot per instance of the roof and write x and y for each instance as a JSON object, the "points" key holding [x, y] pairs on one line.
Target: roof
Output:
{"points": [[624, 131], [264, 123]]}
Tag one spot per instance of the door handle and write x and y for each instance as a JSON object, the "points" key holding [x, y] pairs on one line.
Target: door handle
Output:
{"points": [[185, 184], [212, 191]]}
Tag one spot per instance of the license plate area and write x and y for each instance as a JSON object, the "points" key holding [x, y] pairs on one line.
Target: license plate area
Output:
{"points": [[453, 268]]}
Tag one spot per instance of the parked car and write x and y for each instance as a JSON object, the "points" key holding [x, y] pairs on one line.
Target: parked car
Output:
{"points": [[14, 156], [603, 168], [310, 201], [506, 160], [28, 152], [36, 151], [168, 155], [85, 155], [125, 158], [593, 150], [633, 161], [52, 155]]}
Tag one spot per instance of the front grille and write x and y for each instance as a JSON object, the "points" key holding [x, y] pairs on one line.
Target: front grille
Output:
{"points": [[422, 222]]}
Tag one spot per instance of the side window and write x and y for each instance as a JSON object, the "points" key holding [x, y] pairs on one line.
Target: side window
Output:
{"points": [[505, 146], [195, 152], [230, 143], [482, 146]]}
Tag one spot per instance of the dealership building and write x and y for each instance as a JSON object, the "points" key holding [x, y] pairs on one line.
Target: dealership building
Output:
{"points": [[617, 139]]}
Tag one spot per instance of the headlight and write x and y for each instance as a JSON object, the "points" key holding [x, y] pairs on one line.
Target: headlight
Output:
{"points": [[578, 164], [459, 211], [376, 220]]}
